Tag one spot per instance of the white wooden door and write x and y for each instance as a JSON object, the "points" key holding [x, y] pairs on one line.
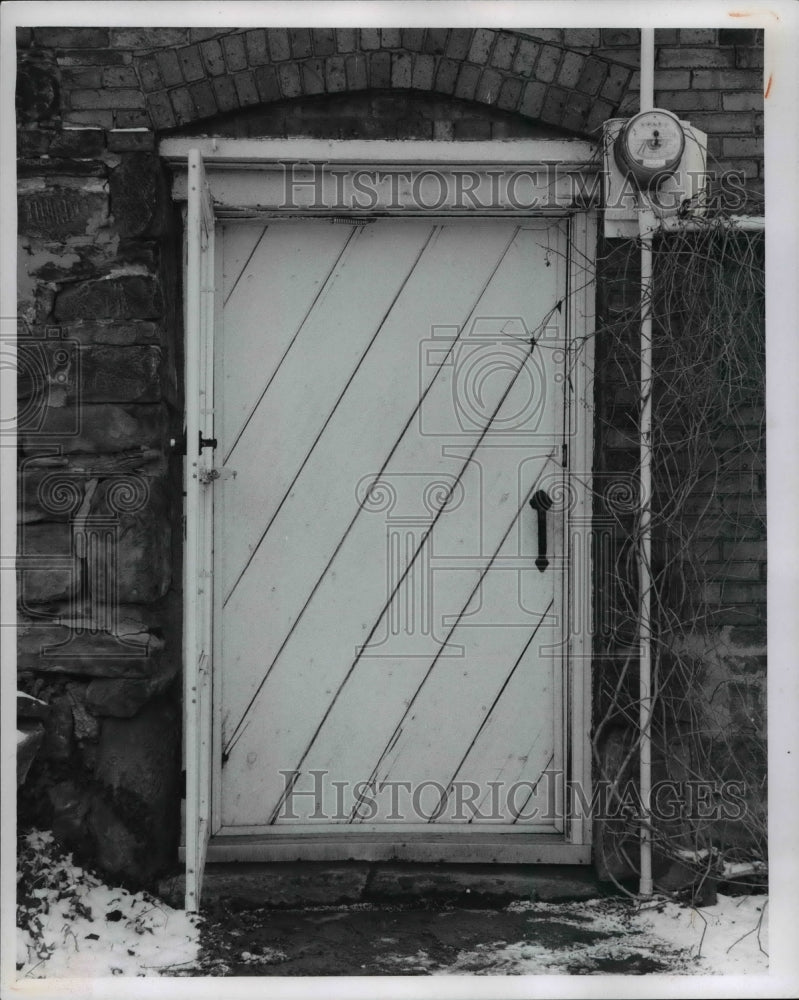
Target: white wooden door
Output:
{"points": [[389, 625]]}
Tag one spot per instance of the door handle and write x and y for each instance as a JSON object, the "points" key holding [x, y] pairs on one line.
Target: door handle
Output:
{"points": [[540, 502]]}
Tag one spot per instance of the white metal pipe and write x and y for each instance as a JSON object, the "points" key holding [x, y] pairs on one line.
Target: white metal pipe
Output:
{"points": [[645, 226], [647, 87]]}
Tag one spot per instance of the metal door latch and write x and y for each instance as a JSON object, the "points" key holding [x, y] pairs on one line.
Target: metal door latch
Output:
{"points": [[207, 476]]}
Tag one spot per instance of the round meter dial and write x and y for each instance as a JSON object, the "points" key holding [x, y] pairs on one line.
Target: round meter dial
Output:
{"points": [[650, 146]]}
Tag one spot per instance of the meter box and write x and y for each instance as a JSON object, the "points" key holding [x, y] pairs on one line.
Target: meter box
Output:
{"points": [[656, 153]]}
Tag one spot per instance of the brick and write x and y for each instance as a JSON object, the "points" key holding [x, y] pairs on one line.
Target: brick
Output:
{"points": [[267, 83], [119, 76], [169, 67], [131, 119], [121, 98], [85, 76], [77, 142], [672, 79], [592, 76], [71, 38], [732, 570], [160, 110], [688, 100], [279, 47], [616, 83], [35, 143], [747, 58], [730, 79], [390, 38], [289, 76], [533, 99], [148, 38], [24, 37], [401, 70], [235, 54], [504, 50], [620, 36], [255, 44], [443, 131], [548, 61], [202, 34], [734, 122], [489, 87], [324, 41], [472, 128], [466, 85], [356, 71], [424, 67], [677, 58], [446, 75], [191, 63], [413, 39], [91, 57], [571, 69], [380, 69], [183, 105], [130, 142], [300, 41], [576, 112], [742, 101], [435, 41], [751, 146], [526, 56], [509, 95], [347, 39], [581, 38], [150, 75], [697, 36], [313, 76], [335, 74], [459, 42], [555, 105], [552, 35], [225, 93], [479, 50], [124, 297], [212, 57], [743, 593], [246, 90], [370, 39]]}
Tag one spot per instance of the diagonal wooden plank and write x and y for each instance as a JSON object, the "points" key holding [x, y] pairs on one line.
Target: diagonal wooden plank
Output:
{"points": [[290, 269]]}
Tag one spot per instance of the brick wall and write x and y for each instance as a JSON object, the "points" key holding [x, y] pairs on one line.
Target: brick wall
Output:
{"points": [[100, 331]]}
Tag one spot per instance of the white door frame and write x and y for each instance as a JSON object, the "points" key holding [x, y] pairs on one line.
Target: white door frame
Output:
{"points": [[267, 178]]}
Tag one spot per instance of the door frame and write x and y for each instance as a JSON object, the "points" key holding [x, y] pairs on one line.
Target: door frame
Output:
{"points": [[247, 179]]}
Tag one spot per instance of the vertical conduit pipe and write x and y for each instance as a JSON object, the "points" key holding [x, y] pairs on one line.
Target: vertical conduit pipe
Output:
{"points": [[645, 228]]}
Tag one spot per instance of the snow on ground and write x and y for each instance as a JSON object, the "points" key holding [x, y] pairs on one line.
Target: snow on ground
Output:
{"points": [[728, 938], [71, 924]]}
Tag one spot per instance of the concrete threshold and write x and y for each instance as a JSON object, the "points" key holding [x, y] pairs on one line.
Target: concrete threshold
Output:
{"points": [[297, 885]]}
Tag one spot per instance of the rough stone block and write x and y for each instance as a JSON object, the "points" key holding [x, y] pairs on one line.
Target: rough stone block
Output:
{"points": [[133, 296], [140, 561], [125, 697], [100, 428], [56, 211], [79, 142], [45, 568], [58, 649], [70, 806], [48, 495], [29, 740], [138, 760]]}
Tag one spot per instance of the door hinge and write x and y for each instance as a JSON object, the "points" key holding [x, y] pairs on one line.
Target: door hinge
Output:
{"points": [[564, 455], [202, 443], [206, 442]]}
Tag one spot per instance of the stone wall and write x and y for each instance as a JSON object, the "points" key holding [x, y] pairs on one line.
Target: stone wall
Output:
{"points": [[101, 343]]}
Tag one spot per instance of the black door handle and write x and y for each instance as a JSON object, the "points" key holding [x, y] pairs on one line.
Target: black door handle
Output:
{"points": [[541, 502]]}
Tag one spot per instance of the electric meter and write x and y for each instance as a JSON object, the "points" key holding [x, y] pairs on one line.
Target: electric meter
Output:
{"points": [[649, 146]]}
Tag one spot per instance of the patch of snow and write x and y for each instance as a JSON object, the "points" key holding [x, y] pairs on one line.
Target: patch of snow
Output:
{"points": [[74, 925], [728, 938]]}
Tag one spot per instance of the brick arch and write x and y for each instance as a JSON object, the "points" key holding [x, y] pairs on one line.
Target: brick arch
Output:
{"points": [[228, 71]]}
